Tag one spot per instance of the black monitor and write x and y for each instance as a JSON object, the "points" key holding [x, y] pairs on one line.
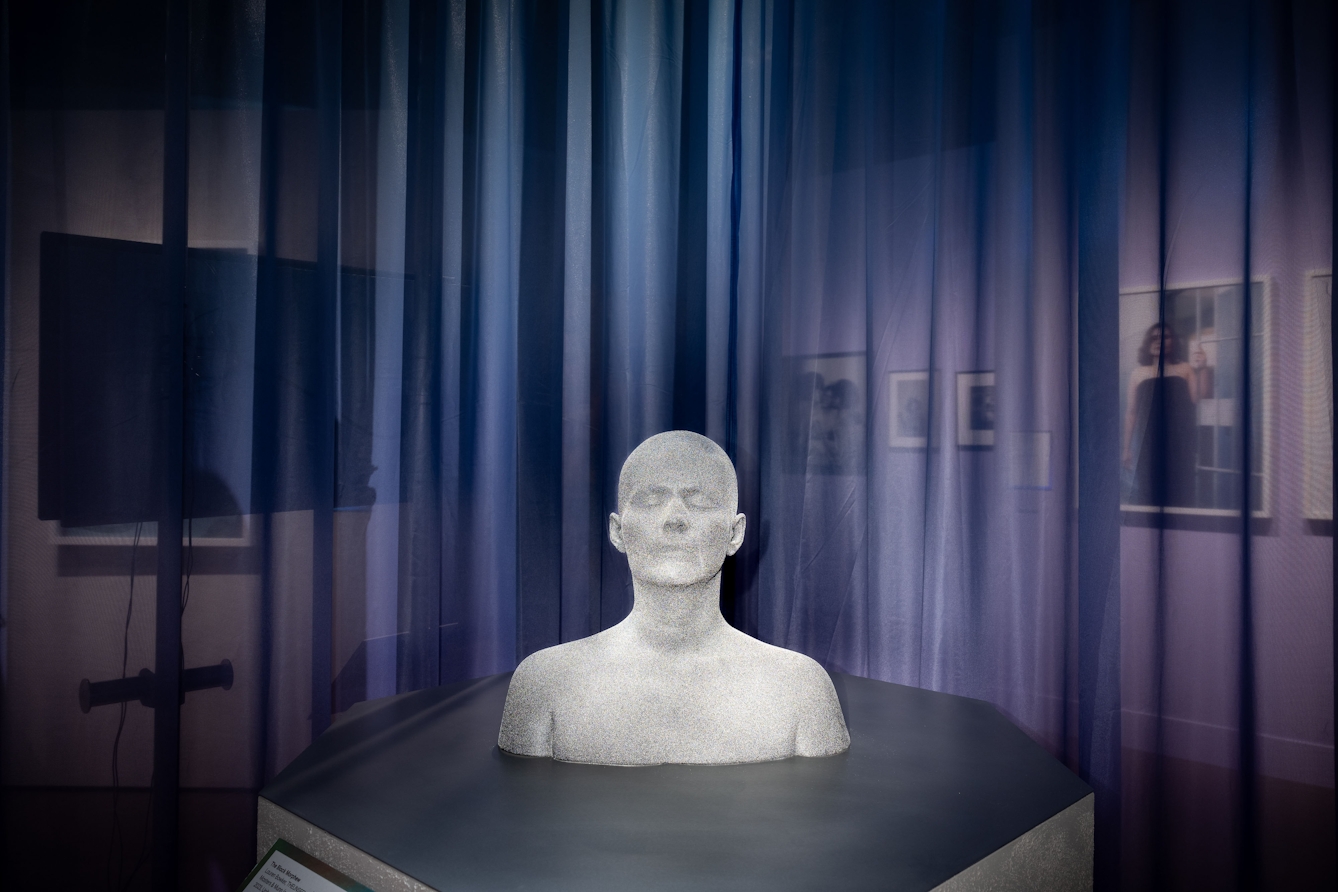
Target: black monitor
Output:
{"points": [[258, 379]]}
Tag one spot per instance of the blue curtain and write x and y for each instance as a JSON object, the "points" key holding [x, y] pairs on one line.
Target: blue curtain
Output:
{"points": [[1013, 316]]}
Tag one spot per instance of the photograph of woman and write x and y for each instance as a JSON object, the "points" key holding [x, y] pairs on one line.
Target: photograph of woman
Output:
{"points": [[1160, 422], [825, 427]]}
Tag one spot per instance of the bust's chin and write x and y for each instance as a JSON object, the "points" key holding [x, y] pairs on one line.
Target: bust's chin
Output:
{"points": [[680, 573]]}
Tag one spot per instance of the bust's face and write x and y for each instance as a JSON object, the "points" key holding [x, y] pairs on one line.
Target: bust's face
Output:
{"points": [[677, 521]]}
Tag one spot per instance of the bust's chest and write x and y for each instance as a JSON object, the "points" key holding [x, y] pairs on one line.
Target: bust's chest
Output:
{"points": [[637, 715]]}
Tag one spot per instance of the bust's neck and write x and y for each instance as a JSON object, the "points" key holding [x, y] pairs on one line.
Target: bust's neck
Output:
{"points": [[676, 617]]}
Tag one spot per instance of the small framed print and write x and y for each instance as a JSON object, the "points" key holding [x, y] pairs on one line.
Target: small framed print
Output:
{"points": [[909, 409], [1317, 384], [1027, 455], [975, 410]]}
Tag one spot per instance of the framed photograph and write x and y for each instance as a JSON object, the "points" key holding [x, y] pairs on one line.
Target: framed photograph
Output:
{"points": [[826, 406], [975, 410], [1317, 398], [1181, 382], [1027, 459], [910, 409]]}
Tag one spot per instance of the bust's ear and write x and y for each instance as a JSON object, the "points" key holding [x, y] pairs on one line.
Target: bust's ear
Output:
{"points": [[616, 532], [736, 533]]}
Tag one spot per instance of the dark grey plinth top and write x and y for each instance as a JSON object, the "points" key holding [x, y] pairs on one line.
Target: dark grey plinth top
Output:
{"points": [[931, 784]]}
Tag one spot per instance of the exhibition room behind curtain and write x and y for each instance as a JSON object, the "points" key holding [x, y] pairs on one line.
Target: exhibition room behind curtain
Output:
{"points": [[1014, 317]]}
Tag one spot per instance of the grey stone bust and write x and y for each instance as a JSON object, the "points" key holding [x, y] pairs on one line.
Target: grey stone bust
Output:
{"points": [[673, 682]]}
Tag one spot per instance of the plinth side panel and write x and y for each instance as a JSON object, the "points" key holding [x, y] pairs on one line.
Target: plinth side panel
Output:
{"points": [[1054, 857]]}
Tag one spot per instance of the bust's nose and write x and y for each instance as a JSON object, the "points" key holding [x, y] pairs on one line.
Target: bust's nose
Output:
{"points": [[675, 518]]}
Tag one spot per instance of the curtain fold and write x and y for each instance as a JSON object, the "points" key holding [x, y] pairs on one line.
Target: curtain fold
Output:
{"points": [[1013, 316]]}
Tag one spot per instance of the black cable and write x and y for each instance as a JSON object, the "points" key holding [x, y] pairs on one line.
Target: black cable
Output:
{"points": [[143, 844], [190, 559], [117, 841], [148, 811]]}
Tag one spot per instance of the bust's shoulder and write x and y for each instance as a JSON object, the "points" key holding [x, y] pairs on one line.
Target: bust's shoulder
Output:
{"points": [[790, 666], [801, 682], [537, 689], [556, 662]]}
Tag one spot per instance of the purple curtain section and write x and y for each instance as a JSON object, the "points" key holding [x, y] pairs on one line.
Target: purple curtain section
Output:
{"points": [[1015, 318]]}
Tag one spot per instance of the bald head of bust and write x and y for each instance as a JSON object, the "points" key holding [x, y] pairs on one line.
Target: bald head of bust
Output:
{"points": [[679, 451]]}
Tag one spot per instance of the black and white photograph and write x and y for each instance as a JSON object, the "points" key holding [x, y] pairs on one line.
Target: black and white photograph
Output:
{"points": [[909, 411], [825, 426], [975, 409]]}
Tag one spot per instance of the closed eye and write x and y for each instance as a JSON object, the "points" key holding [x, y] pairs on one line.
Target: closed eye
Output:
{"points": [[696, 498], [652, 497]]}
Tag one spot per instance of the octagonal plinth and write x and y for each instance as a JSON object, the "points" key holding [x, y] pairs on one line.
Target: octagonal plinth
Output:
{"points": [[936, 792]]}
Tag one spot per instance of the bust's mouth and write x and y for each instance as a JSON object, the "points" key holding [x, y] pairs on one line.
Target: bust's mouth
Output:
{"points": [[674, 551]]}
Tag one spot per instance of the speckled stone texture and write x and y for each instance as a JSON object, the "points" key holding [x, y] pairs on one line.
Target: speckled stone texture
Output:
{"points": [[273, 822], [673, 682], [1054, 856]]}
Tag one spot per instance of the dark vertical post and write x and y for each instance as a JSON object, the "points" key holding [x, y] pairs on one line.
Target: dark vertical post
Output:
{"points": [[1333, 351], [733, 611], [172, 356], [264, 457], [1097, 104], [329, 42], [1247, 852], [4, 302], [600, 607], [1157, 825], [689, 411], [422, 588], [539, 353]]}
